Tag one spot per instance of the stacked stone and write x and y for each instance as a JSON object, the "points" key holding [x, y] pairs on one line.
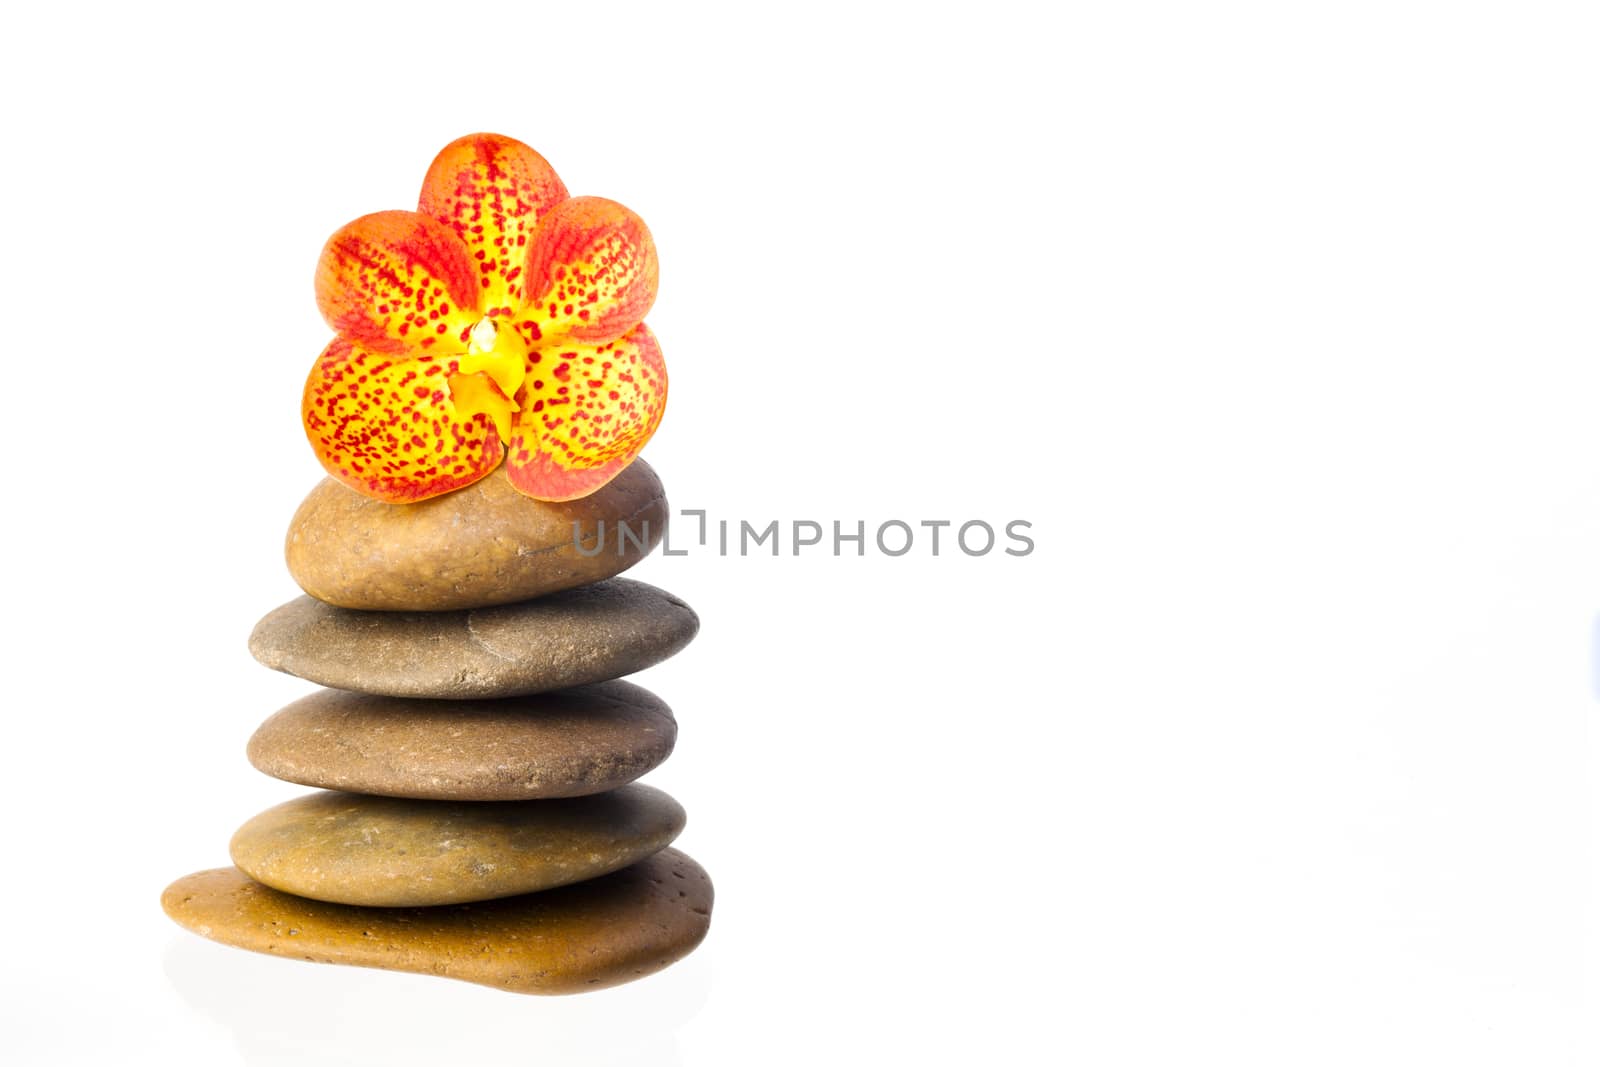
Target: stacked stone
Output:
{"points": [[476, 755]]}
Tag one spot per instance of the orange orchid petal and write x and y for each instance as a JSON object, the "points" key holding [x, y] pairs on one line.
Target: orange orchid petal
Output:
{"points": [[397, 280], [388, 426], [592, 271], [586, 411], [492, 190]]}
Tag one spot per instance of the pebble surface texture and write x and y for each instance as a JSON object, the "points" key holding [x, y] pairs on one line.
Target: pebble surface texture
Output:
{"points": [[346, 848], [590, 634], [569, 743], [588, 936], [483, 545]]}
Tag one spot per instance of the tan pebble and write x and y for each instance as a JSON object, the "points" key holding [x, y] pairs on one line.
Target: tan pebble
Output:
{"points": [[587, 936], [483, 545]]}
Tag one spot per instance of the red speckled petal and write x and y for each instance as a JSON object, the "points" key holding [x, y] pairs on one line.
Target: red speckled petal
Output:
{"points": [[387, 426], [593, 271], [396, 281], [492, 191], [586, 413]]}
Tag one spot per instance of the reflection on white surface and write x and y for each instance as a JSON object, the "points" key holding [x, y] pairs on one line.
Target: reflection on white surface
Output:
{"points": [[290, 1012], [1594, 657]]}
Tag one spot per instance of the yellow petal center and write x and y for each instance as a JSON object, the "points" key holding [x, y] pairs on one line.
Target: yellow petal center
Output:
{"points": [[489, 374]]}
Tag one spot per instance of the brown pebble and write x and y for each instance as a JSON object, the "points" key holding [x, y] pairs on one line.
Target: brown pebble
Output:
{"points": [[483, 545], [587, 936], [568, 743], [348, 848], [591, 634]]}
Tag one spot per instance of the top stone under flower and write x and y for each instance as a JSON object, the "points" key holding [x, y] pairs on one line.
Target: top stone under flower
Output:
{"points": [[501, 319]]}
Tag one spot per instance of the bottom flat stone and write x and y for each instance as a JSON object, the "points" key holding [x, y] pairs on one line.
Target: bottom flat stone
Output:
{"points": [[591, 935]]}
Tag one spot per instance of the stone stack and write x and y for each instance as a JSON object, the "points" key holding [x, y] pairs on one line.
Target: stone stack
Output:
{"points": [[475, 753]]}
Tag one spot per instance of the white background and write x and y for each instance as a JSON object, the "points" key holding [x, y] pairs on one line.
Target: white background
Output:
{"points": [[1276, 320]]}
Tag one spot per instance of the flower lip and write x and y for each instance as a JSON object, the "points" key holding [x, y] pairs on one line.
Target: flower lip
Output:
{"points": [[489, 375]]}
